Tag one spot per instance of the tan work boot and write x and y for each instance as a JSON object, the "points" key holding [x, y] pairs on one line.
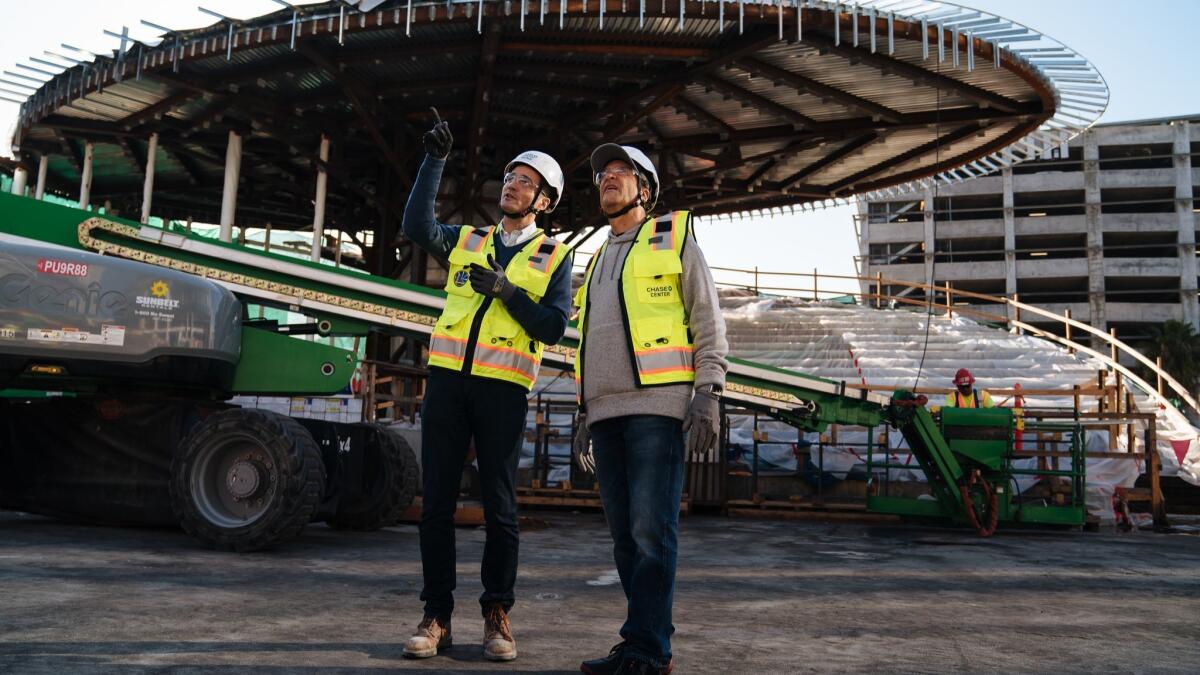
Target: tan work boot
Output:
{"points": [[431, 636], [498, 642]]}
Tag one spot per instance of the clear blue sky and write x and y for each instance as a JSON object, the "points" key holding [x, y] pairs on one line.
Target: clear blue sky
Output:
{"points": [[1146, 50]]}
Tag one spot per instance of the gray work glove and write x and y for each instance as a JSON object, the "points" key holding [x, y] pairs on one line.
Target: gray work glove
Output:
{"points": [[491, 282], [702, 423], [438, 141], [581, 447]]}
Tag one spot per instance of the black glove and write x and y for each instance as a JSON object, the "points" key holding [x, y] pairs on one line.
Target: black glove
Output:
{"points": [[438, 141], [491, 282], [702, 424], [581, 447]]}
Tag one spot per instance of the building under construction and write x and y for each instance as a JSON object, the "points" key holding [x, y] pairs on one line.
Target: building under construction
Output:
{"points": [[310, 119]]}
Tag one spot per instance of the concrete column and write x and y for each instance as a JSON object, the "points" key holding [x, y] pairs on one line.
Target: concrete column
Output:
{"points": [[1187, 222], [930, 244], [1010, 240], [43, 166], [85, 183], [1095, 235], [864, 245], [319, 215], [233, 167], [148, 187], [20, 180]]}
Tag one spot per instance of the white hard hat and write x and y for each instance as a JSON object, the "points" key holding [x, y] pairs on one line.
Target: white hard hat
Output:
{"points": [[547, 168], [606, 153]]}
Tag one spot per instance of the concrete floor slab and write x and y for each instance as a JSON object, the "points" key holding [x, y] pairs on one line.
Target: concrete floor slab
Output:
{"points": [[753, 597]]}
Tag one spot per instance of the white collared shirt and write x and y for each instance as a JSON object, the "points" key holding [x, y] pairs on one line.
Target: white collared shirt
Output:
{"points": [[518, 237]]}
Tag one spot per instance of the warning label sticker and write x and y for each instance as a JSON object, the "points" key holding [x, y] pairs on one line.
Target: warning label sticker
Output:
{"points": [[113, 336]]}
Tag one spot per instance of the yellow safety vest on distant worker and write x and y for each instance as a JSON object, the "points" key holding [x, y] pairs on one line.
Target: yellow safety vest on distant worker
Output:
{"points": [[655, 317], [975, 400], [501, 347]]}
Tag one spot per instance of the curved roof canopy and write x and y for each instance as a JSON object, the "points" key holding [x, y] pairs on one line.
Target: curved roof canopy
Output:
{"points": [[742, 105]]}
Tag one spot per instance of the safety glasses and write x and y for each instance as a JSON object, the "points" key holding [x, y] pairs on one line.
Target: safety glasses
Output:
{"points": [[523, 181], [618, 171]]}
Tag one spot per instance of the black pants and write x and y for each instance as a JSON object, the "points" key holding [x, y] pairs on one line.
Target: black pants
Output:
{"points": [[456, 409]]}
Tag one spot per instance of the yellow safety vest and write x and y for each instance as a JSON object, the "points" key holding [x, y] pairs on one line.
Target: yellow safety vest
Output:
{"points": [[652, 308], [474, 327], [975, 400]]}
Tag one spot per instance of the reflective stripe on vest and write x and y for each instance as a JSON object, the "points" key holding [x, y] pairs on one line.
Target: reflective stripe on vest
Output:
{"points": [[669, 360], [503, 350], [958, 401], [654, 315], [447, 347], [474, 241], [546, 253]]}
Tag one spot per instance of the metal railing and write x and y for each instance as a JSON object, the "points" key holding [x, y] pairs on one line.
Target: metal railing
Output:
{"points": [[946, 300]]}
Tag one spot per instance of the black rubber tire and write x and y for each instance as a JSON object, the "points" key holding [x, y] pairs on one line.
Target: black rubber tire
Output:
{"points": [[390, 493], [293, 467]]}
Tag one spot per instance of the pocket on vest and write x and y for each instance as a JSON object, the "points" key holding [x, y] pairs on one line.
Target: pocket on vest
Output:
{"points": [[501, 326], [653, 332], [656, 277]]}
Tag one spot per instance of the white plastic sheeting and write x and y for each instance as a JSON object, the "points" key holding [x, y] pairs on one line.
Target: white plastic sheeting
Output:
{"points": [[885, 347]]}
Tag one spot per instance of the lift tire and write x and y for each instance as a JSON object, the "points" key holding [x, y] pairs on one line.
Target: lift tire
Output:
{"points": [[391, 490], [980, 502], [246, 480]]}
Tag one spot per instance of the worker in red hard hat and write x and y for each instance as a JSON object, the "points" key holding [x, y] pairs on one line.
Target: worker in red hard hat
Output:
{"points": [[965, 395]]}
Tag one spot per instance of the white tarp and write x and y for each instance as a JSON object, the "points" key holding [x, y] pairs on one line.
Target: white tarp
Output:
{"points": [[885, 347]]}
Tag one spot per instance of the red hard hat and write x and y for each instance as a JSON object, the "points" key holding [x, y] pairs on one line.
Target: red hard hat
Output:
{"points": [[963, 376]]}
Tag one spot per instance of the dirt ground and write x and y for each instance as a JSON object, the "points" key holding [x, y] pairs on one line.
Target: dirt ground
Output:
{"points": [[753, 597]]}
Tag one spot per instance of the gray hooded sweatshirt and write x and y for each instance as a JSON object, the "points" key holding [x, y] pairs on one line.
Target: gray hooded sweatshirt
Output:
{"points": [[609, 389]]}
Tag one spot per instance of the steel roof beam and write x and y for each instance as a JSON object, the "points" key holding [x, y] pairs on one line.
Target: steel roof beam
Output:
{"points": [[919, 151], [916, 74], [758, 101], [615, 129], [479, 111], [186, 162], [685, 104], [739, 47], [808, 85], [607, 49], [734, 162], [567, 70], [829, 160], [138, 159], [844, 128], [156, 110], [359, 98]]}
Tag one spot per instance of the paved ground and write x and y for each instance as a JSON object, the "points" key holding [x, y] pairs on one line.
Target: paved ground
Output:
{"points": [[754, 597]]}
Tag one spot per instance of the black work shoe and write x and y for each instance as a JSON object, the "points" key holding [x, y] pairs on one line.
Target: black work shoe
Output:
{"points": [[604, 666], [636, 667]]}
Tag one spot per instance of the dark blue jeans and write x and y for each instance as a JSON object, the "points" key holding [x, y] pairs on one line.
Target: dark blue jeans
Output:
{"points": [[456, 409], [639, 465]]}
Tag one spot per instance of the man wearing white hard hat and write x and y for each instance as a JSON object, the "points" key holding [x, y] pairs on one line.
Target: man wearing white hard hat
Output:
{"points": [[650, 369], [508, 293]]}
